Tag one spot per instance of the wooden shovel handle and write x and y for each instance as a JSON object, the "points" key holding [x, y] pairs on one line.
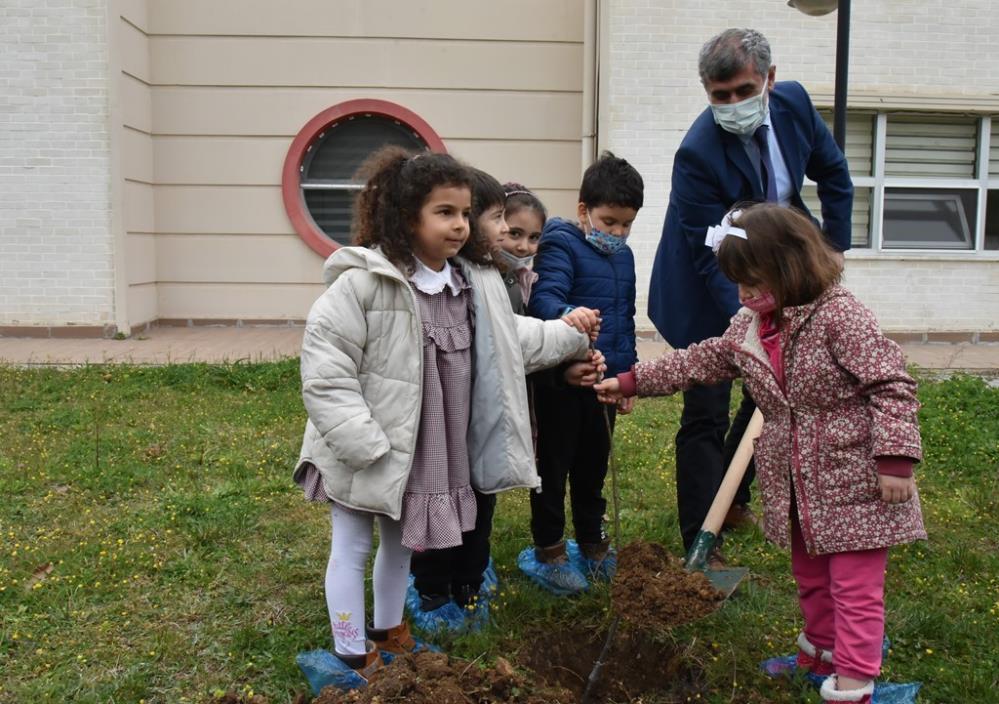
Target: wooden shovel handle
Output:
{"points": [[733, 476]]}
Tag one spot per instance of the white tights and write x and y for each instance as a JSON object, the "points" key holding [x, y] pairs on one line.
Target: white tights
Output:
{"points": [[349, 551]]}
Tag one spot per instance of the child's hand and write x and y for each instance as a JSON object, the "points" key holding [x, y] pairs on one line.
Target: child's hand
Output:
{"points": [[896, 490], [586, 373], [586, 320], [626, 405], [609, 391]]}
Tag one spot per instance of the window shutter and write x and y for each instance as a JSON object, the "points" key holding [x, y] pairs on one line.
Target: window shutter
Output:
{"points": [[859, 140], [932, 146], [328, 184], [994, 148], [860, 218]]}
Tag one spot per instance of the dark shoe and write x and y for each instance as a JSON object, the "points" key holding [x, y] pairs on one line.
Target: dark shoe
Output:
{"points": [[716, 561], [597, 560], [432, 602], [740, 516]]}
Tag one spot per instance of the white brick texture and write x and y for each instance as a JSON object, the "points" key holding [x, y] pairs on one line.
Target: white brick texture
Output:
{"points": [[55, 239], [653, 94]]}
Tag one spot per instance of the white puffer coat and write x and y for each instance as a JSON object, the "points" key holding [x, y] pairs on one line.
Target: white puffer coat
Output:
{"points": [[362, 381]]}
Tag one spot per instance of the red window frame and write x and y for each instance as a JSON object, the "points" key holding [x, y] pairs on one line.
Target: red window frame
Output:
{"points": [[291, 185]]}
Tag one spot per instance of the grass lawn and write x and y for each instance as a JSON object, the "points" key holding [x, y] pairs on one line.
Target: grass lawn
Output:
{"points": [[154, 548]]}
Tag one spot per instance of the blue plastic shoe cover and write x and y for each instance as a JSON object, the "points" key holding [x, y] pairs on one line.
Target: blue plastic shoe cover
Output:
{"points": [[604, 569], [561, 578], [324, 669]]}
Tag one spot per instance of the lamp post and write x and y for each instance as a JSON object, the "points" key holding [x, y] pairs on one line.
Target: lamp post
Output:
{"points": [[824, 7]]}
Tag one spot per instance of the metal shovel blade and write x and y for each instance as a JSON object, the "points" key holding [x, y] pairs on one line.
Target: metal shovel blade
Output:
{"points": [[727, 579], [724, 579]]}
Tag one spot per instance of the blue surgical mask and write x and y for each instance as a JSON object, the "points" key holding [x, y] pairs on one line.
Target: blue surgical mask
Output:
{"points": [[515, 263], [744, 117], [604, 242]]}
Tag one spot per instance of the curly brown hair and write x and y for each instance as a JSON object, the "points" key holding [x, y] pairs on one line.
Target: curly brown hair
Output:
{"points": [[784, 251], [396, 185]]}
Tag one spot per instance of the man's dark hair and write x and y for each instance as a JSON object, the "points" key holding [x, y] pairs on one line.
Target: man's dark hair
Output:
{"points": [[727, 54], [611, 180]]}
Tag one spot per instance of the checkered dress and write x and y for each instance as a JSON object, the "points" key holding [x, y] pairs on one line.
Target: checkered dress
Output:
{"points": [[439, 503]]}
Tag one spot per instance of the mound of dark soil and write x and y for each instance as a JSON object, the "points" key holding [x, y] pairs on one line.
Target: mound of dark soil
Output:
{"points": [[435, 678], [652, 590]]}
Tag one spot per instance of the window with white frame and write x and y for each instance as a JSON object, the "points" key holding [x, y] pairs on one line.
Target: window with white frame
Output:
{"points": [[922, 181]]}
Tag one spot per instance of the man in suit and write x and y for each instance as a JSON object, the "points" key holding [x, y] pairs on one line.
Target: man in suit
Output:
{"points": [[756, 141]]}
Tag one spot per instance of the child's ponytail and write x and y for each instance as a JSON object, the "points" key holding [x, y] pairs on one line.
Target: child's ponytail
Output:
{"points": [[397, 183]]}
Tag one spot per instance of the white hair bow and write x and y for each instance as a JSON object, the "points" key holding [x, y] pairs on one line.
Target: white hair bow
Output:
{"points": [[717, 233]]}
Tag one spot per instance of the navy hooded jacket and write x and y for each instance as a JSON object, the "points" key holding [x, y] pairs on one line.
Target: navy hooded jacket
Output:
{"points": [[572, 273]]}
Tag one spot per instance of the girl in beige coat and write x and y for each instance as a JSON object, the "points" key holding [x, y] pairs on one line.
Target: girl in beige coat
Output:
{"points": [[397, 429]]}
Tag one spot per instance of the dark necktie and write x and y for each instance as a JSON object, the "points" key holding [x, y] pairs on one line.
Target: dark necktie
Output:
{"points": [[767, 176]]}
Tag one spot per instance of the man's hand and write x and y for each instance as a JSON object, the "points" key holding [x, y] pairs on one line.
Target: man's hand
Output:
{"points": [[588, 372], [896, 490], [586, 320]]}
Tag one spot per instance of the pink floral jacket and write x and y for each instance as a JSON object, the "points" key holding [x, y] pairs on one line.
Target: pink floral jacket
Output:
{"points": [[847, 400]]}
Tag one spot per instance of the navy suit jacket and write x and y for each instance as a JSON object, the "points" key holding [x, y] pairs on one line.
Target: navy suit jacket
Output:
{"points": [[689, 298]]}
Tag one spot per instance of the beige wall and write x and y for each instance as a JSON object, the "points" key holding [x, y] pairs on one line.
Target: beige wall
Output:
{"points": [[214, 92], [135, 146]]}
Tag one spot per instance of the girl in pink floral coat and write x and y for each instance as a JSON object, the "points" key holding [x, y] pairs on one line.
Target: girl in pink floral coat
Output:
{"points": [[840, 435]]}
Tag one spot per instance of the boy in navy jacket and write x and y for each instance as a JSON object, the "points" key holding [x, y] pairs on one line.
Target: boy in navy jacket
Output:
{"points": [[588, 265]]}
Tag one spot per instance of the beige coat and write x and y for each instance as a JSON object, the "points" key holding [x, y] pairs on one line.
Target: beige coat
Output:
{"points": [[362, 381]]}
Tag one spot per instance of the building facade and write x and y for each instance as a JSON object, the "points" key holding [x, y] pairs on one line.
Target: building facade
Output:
{"points": [[190, 161]]}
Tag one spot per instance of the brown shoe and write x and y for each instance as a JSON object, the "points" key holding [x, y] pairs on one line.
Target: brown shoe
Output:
{"points": [[740, 516], [553, 554], [365, 665], [397, 640], [595, 551]]}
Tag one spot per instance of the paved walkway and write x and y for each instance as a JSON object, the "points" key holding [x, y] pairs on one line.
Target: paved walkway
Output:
{"points": [[172, 345]]}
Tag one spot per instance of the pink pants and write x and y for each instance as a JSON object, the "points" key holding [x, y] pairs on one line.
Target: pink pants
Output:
{"points": [[842, 601]]}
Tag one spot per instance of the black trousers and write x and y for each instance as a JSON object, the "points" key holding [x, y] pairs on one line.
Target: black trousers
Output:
{"points": [[572, 445], [441, 572], [705, 445]]}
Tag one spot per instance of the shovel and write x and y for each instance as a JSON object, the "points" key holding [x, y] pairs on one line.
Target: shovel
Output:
{"points": [[726, 579]]}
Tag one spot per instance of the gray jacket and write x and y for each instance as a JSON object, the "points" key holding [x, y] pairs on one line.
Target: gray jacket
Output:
{"points": [[362, 381]]}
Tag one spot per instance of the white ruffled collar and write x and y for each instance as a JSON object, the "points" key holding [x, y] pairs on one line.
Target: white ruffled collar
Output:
{"points": [[433, 282]]}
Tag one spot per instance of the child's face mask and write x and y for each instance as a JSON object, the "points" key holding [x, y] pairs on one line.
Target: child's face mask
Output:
{"points": [[761, 303], [514, 262], [605, 242]]}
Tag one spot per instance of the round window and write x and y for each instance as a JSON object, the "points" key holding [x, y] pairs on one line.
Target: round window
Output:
{"points": [[318, 181]]}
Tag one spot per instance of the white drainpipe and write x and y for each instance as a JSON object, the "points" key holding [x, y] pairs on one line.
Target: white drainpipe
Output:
{"points": [[591, 49]]}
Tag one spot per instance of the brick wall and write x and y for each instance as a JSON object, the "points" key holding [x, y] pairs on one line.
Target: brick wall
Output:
{"points": [[55, 241], [652, 94]]}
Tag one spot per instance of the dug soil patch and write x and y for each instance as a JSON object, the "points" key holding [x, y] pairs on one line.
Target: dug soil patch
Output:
{"points": [[638, 667], [434, 678], [653, 591]]}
